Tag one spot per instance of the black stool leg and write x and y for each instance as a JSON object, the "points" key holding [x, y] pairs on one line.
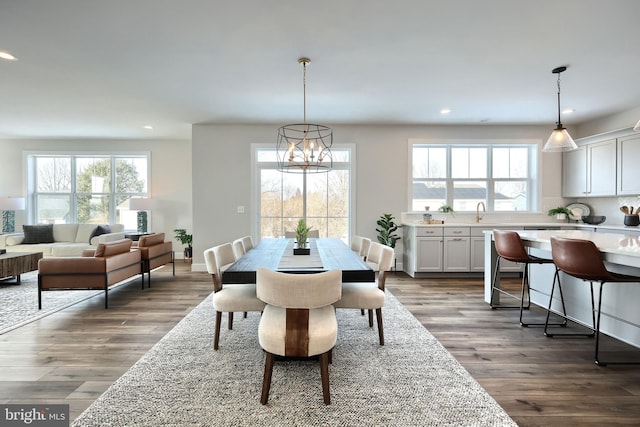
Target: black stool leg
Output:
{"points": [[495, 289], [564, 312], [546, 323]]}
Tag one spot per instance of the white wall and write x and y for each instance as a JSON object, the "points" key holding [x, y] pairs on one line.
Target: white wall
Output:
{"points": [[222, 172], [170, 174]]}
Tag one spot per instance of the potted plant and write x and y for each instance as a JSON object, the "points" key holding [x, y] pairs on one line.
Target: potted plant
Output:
{"points": [[185, 239], [301, 238], [446, 209], [560, 212], [386, 232]]}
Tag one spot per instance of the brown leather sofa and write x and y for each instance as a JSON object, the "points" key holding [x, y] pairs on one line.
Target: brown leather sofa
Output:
{"points": [[109, 264], [155, 252]]}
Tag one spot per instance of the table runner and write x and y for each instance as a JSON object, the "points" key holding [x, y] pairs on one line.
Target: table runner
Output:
{"points": [[290, 261]]}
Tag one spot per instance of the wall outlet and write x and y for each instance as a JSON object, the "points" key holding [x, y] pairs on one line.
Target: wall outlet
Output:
{"points": [[240, 209]]}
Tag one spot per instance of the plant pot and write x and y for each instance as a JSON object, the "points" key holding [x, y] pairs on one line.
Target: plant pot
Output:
{"points": [[561, 216], [301, 249], [188, 252], [632, 220]]}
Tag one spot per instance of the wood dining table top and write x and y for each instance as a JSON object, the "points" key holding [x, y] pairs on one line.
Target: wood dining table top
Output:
{"points": [[277, 254]]}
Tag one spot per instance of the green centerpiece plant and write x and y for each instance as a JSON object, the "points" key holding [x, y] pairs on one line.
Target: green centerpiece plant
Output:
{"points": [[301, 233]]}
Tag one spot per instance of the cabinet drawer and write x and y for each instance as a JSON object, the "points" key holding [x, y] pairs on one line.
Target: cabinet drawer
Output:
{"points": [[457, 231], [478, 231], [429, 232]]}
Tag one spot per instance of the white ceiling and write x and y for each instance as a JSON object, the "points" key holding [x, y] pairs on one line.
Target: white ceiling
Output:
{"points": [[104, 69]]}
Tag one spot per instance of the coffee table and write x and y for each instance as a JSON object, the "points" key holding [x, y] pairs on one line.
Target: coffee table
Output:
{"points": [[16, 263]]}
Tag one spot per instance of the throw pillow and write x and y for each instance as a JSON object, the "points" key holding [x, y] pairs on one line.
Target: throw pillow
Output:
{"points": [[98, 231], [34, 234]]}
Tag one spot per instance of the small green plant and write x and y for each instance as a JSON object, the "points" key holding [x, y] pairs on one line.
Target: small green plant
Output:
{"points": [[183, 237], [446, 209], [301, 232], [387, 229], [559, 210]]}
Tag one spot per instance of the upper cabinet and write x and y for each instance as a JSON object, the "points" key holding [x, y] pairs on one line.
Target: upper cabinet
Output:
{"points": [[590, 171], [628, 165]]}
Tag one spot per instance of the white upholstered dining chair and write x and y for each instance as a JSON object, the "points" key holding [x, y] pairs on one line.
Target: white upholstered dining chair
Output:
{"points": [[370, 296], [228, 298], [360, 245], [238, 249], [247, 243], [298, 319]]}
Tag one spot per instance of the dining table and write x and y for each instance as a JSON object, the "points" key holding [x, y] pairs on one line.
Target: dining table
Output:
{"points": [[277, 254]]}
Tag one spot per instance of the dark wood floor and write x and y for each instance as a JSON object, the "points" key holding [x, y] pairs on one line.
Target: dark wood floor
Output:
{"points": [[539, 381], [74, 355]]}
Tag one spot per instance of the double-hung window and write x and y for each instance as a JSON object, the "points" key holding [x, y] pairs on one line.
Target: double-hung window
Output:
{"points": [[86, 188], [501, 175]]}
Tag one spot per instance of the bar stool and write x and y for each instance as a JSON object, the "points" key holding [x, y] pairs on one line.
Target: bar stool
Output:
{"points": [[582, 259], [509, 246]]}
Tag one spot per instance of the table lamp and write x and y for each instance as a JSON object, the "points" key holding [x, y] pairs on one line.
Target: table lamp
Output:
{"points": [[142, 205], [9, 206]]}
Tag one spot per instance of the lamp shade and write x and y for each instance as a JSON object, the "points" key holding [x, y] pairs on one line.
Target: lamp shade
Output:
{"points": [[559, 141], [140, 204], [11, 203]]}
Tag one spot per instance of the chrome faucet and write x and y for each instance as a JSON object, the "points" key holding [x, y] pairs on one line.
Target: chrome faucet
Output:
{"points": [[484, 209]]}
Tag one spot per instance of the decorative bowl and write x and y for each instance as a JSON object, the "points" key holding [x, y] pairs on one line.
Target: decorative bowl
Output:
{"points": [[593, 220]]}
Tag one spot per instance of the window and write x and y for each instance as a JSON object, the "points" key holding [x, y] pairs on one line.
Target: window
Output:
{"points": [[502, 175], [323, 199], [86, 188]]}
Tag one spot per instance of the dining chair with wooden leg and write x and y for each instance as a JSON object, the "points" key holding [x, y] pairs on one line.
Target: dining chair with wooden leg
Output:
{"points": [[582, 259], [370, 295], [298, 319], [230, 298]]}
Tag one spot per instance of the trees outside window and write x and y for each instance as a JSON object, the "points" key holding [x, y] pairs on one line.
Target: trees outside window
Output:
{"points": [[322, 199], [87, 189]]}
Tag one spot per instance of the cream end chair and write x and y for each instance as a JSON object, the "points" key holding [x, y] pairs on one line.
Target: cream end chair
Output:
{"points": [[370, 296], [298, 319], [230, 298]]}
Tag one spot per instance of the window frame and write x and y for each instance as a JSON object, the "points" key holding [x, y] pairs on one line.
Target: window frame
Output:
{"points": [[533, 168], [256, 185], [73, 194]]}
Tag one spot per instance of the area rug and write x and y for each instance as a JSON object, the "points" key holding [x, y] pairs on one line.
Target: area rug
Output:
{"points": [[19, 303], [410, 381]]}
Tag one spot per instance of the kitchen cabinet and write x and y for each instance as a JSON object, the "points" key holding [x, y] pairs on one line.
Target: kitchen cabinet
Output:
{"points": [[456, 249], [628, 165], [590, 171]]}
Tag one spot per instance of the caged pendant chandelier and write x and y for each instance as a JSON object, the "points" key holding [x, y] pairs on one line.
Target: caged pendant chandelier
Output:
{"points": [[560, 140], [306, 147]]}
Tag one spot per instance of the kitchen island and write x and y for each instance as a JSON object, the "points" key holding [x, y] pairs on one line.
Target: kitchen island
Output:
{"points": [[621, 252]]}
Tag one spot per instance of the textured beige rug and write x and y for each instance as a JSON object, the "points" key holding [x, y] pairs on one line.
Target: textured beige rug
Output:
{"points": [[411, 381]]}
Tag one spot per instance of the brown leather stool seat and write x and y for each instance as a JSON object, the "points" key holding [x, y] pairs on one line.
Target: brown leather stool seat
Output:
{"points": [[582, 259], [509, 246]]}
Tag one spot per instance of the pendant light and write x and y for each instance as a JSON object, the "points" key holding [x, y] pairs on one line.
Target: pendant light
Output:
{"points": [[637, 126], [306, 147], [560, 140]]}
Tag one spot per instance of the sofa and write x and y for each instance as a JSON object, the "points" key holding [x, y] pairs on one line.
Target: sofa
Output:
{"points": [[98, 269], [155, 252], [60, 240]]}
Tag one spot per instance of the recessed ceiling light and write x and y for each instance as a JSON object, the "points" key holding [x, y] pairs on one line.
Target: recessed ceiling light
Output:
{"points": [[148, 127], [445, 111], [568, 111], [7, 56]]}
